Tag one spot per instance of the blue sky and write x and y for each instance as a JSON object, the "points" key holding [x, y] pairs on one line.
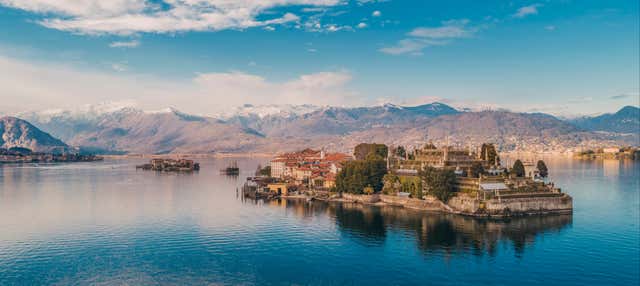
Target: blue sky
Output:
{"points": [[202, 56]]}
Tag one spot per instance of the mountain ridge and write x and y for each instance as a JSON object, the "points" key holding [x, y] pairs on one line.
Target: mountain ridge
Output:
{"points": [[171, 131]]}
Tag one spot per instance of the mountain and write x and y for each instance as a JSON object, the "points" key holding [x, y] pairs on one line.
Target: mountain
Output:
{"points": [[626, 120], [342, 120], [132, 130], [20, 133], [282, 128]]}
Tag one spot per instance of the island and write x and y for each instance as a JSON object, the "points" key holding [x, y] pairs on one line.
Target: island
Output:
{"points": [[445, 179], [170, 165]]}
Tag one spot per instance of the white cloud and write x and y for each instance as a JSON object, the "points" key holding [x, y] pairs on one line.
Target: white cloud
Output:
{"points": [[36, 86], [125, 44], [120, 67], [376, 13], [423, 37], [550, 28], [527, 10], [126, 17], [362, 25]]}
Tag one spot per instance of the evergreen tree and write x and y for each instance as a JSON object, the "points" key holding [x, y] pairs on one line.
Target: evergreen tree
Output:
{"points": [[518, 169], [542, 169], [359, 174], [363, 150], [488, 152], [400, 152], [476, 170], [440, 183]]}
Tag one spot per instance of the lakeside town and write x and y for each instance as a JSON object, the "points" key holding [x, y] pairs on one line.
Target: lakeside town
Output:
{"points": [[16, 155], [446, 179]]}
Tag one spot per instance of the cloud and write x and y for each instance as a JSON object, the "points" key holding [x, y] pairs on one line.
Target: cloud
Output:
{"points": [[36, 86], [125, 17], [127, 44], [376, 13], [550, 28], [120, 67], [423, 37], [362, 25], [314, 24], [527, 10], [626, 95]]}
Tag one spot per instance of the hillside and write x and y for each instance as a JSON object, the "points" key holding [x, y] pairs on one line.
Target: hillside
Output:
{"points": [[16, 132], [272, 129], [626, 120]]}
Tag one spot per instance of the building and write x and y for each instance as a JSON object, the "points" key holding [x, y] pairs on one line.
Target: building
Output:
{"points": [[611, 150], [309, 167], [445, 157], [278, 188]]}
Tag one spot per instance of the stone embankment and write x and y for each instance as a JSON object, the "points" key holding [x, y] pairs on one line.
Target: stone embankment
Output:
{"points": [[466, 205], [513, 206]]}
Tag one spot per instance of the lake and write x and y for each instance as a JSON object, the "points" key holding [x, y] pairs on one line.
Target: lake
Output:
{"points": [[106, 223]]}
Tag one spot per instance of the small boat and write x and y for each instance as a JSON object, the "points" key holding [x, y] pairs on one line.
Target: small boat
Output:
{"points": [[231, 169]]}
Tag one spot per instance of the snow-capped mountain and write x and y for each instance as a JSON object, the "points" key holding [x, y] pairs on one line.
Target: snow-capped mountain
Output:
{"points": [[273, 128], [15, 132], [261, 111]]}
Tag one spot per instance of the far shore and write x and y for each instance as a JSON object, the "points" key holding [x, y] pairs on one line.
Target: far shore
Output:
{"points": [[190, 155]]}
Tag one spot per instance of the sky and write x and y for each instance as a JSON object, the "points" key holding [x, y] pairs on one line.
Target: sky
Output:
{"points": [[205, 56]]}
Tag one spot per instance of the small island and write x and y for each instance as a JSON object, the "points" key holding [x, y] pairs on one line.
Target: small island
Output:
{"points": [[170, 165], [231, 170], [446, 179]]}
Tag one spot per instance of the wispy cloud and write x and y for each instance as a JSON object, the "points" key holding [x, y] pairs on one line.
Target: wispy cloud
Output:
{"points": [[126, 17], [626, 95], [423, 37], [120, 67], [125, 44], [25, 85], [527, 10]]}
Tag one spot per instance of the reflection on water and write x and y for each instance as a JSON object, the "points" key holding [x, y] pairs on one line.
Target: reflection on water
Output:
{"points": [[434, 232], [106, 223]]}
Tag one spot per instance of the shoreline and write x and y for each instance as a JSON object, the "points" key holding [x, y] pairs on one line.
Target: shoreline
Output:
{"points": [[189, 155], [433, 205]]}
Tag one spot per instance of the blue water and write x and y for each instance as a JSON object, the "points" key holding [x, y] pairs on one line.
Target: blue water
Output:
{"points": [[107, 224]]}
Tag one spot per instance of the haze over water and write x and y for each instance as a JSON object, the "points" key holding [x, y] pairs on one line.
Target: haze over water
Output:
{"points": [[107, 224]]}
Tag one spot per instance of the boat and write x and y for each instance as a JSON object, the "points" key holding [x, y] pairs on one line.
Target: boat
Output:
{"points": [[231, 169]]}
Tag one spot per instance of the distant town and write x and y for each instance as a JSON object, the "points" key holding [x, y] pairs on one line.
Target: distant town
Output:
{"points": [[25, 155]]}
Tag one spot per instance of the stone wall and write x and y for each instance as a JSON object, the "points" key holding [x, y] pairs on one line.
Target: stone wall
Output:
{"points": [[512, 207], [365, 199], [467, 205]]}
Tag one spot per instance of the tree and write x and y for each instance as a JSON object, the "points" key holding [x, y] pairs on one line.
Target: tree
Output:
{"points": [[518, 169], [476, 170], [440, 183], [359, 174], [542, 169], [400, 152], [363, 150], [266, 171], [488, 153]]}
